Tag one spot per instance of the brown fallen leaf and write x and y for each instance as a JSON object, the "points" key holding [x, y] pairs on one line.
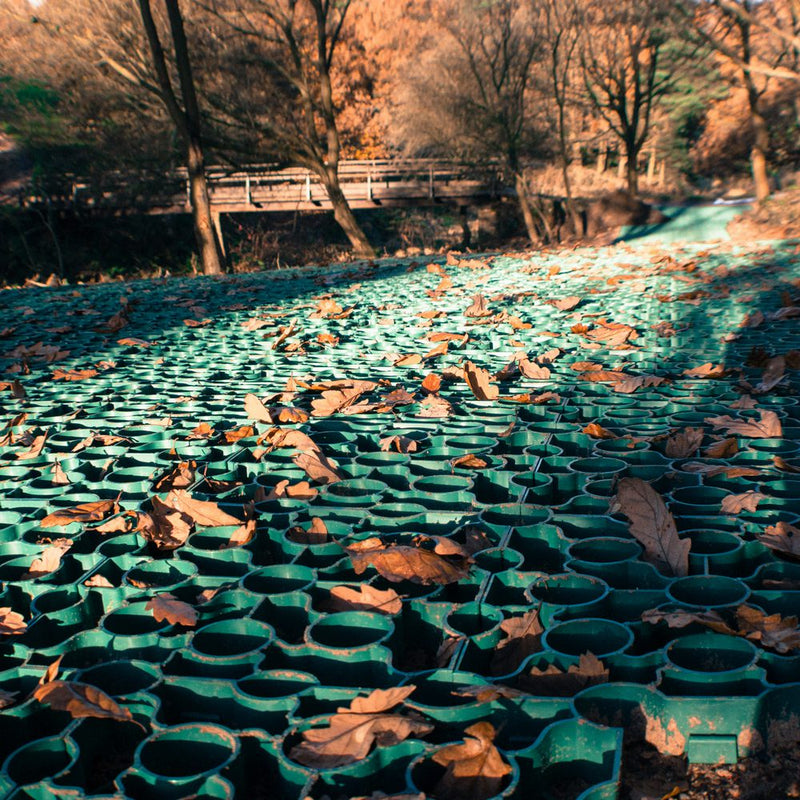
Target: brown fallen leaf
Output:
{"points": [[49, 561], [11, 622], [256, 410], [432, 383], [278, 438], [352, 731], [478, 381], [182, 476], [745, 401], [81, 700], [176, 612], [401, 444], [318, 467], [598, 431], [710, 470], [317, 533], [722, 449], [783, 465], [98, 581], [474, 769], [333, 400], [404, 562], [165, 527], [530, 370], [366, 598], [554, 682], [302, 490], [685, 443], [747, 501], [707, 370], [565, 303], [632, 383], [434, 407], [523, 638], [35, 447], [73, 374], [85, 512], [478, 307], [408, 360], [783, 538], [244, 534], [653, 526], [469, 461], [202, 512], [768, 427], [59, 477]]}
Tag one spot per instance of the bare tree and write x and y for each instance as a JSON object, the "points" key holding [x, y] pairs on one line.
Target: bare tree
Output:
{"points": [[272, 87], [467, 93], [622, 46]]}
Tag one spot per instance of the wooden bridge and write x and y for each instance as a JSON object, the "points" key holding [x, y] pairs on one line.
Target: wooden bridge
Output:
{"points": [[366, 184]]}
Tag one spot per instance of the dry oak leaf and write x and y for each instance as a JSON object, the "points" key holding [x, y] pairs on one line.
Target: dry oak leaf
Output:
{"points": [[707, 370], [630, 384], [685, 443], [11, 622], [73, 374], [59, 477], [604, 376], [653, 525], [277, 438], [747, 501], [317, 533], [81, 700], [318, 467], [478, 307], [402, 444], [202, 512], [565, 303], [165, 527], [530, 370], [722, 449], [710, 470], [334, 400], [554, 682], [366, 598], [435, 407], [474, 769], [181, 476], [256, 410], [176, 612], [783, 538], [49, 561], [469, 461], [85, 512], [478, 381], [745, 401], [408, 360], [244, 534], [768, 427], [432, 383], [598, 431], [403, 562], [35, 448], [769, 630], [302, 490], [351, 732], [244, 432], [523, 638]]}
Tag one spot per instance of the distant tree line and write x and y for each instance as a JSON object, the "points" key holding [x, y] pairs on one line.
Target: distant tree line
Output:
{"points": [[702, 85]]}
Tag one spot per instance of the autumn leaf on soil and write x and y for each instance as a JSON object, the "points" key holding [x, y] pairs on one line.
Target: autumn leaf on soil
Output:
{"points": [[653, 525], [685, 443], [768, 427], [180, 477], [469, 461], [478, 307], [523, 638], [11, 622], [598, 431], [352, 731], [474, 769], [176, 612], [85, 512], [318, 467], [478, 381], [404, 562], [317, 533], [783, 538], [366, 598], [81, 700], [747, 501], [401, 444], [554, 682]]}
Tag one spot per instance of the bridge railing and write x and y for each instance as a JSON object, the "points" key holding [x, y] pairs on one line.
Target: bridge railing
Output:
{"points": [[257, 184]]}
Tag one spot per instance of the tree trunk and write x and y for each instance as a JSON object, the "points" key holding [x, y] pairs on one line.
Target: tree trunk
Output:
{"points": [[345, 218], [528, 214], [631, 175], [758, 154], [207, 244]]}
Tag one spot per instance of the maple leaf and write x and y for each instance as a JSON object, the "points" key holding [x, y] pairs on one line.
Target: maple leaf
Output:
{"points": [[653, 525], [366, 598], [176, 612], [474, 769]]}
